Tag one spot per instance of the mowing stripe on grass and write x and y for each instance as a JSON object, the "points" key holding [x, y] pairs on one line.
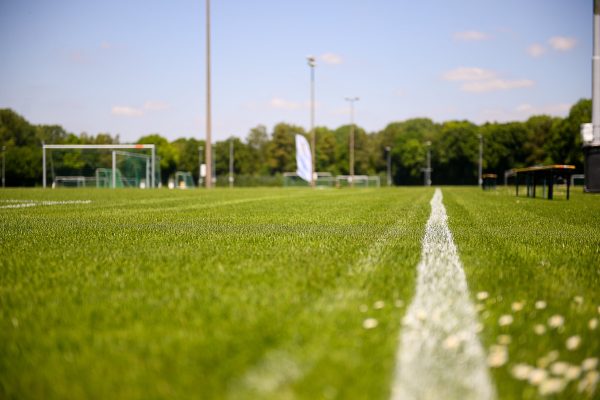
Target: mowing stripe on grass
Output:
{"points": [[440, 356]]}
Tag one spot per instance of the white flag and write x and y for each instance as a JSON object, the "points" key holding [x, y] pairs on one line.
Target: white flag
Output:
{"points": [[303, 158]]}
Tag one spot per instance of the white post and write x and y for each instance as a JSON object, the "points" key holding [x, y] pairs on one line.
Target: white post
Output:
{"points": [[44, 166], [311, 64], [153, 178], [114, 169], [208, 143]]}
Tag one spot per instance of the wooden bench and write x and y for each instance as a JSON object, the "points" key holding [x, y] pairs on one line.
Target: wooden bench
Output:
{"points": [[543, 175]]}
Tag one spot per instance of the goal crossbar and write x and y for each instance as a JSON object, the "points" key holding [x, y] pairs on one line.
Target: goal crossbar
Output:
{"points": [[113, 147]]}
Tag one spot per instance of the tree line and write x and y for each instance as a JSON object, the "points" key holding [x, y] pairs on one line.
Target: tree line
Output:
{"points": [[540, 140]]}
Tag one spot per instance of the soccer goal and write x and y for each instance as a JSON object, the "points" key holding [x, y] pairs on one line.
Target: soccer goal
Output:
{"points": [[184, 180], [358, 181], [324, 179], [100, 166]]}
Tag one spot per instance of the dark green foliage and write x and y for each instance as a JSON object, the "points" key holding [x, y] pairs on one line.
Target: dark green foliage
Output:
{"points": [[454, 148]]}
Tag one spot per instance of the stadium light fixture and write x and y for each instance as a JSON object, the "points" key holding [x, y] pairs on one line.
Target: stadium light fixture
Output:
{"points": [[351, 100], [312, 62]]}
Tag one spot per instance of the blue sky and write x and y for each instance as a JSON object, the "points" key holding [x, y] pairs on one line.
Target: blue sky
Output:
{"points": [[133, 67]]}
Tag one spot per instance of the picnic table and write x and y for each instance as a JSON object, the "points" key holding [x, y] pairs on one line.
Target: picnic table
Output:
{"points": [[543, 175], [488, 181]]}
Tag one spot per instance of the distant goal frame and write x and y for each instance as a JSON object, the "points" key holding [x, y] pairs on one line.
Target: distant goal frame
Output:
{"points": [[109, 147]]}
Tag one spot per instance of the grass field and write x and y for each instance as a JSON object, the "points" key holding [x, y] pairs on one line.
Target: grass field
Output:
{"points": [[275, 293]]}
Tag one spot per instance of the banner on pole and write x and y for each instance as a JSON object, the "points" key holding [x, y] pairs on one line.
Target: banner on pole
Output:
{"points": [[303, 158]]}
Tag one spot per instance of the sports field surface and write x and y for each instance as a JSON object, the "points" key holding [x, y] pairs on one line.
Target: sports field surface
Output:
{"points": [[285, 293]]}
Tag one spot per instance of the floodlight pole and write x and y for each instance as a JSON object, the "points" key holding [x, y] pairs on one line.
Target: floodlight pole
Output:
{"points": [[351, 100], [388, 149], [592, 149], [311, 64], [480, 170], [208, 143], [231, 162]]}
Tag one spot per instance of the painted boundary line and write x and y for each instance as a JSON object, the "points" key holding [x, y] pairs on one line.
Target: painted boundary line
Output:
{"points": [[440, 355], [33, 203]]}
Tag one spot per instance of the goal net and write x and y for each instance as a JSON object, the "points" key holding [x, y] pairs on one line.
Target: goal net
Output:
{"points": [[100, 167], [358, 181]]}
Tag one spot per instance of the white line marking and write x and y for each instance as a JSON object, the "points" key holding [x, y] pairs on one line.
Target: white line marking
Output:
{"points": [[440, 356], [33, 203]]}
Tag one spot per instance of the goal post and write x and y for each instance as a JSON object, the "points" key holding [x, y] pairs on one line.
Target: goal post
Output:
{"points": [[115, 149]]}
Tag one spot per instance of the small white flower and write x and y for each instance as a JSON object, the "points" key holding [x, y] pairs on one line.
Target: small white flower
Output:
{"points": [[504, 339], [593, 323], [559, 368], [521, 371], [578, 299], [589, 364], [379, 304], [482, 295], [451, 342], [370, 323], [498, 356], [556, 321], [537, 376], [551, 386], [505, 320], [539, 329], [540, 305], [517, 306], [572, 372], [573, 342]]}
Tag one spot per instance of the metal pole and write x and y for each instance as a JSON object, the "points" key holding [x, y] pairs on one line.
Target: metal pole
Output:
{"points": [[153, 167], [351, 100], [3, 166], [43, 165], [480, 171], [200, 149], [208, 143], [591, 149], [428, 169], [311, 64], [114, 169], [231, 162], [389, 165]]}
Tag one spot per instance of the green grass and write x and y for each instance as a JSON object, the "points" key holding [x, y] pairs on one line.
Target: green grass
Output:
{"points": [[522, 250], [240, 294], [260, 293]]}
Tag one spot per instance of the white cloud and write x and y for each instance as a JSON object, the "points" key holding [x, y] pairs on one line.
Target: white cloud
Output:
{"points": [[468, 74], [479, 80], [125, 111], [496, 84], [331, 58], [149, 106], [470, 36], [549, 109], [282, 104], [562, 43], [536, 50], [106, 46], [156, 106]]}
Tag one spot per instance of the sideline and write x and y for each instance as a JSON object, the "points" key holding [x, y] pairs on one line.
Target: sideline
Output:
{"points": [[440, 355]]}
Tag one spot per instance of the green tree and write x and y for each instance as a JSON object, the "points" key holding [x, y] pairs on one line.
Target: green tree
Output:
{"points": [[169, 155], [281, 154]]}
